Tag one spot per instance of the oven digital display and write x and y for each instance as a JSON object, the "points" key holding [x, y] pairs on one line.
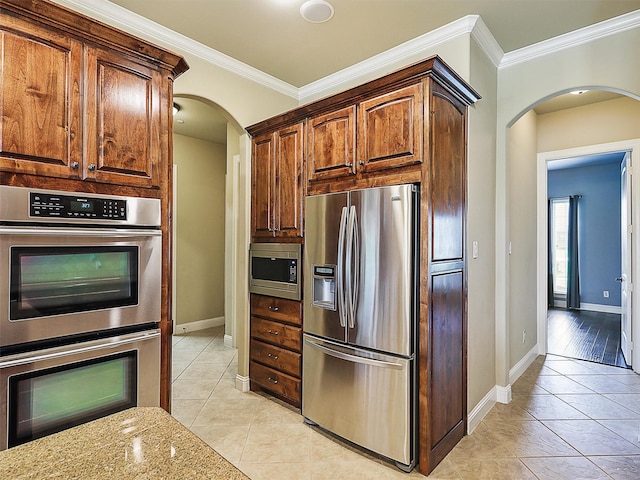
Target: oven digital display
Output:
{"points": [[81, 206]]}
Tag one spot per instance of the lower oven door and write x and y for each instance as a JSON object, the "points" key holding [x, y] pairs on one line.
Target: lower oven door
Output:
{"points": [[50, 390]]}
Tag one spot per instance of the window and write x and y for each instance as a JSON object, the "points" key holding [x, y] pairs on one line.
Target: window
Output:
{"points": [[559, 244]]}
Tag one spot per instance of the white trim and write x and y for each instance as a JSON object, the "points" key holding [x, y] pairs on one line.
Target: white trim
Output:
{"points": [[595, 307], [228, 341], [242, 383], [198, 325], [395, 56], [481, 410], [632, 146], [581, 36], [487, 42], [521, 367], [503, 394]]}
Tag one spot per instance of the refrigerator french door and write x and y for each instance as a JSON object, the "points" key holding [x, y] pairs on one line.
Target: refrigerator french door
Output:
{"points": [[360, 311]]}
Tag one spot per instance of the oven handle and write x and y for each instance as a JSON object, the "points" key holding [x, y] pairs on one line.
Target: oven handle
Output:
{"points": [[101, 232], [59, 352]]}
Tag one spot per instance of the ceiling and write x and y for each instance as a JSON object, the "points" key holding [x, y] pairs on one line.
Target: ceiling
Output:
{"points": [[272, 36]]}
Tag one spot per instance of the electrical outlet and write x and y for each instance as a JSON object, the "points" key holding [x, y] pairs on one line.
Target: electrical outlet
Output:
{"points": [[524, 336], [605, 293]]}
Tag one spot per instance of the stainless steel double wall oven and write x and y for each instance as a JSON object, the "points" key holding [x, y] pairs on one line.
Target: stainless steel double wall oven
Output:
{"points": [[80, 300]]}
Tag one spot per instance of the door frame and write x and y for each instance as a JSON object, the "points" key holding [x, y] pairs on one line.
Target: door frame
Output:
{"points": [[632, 146]]}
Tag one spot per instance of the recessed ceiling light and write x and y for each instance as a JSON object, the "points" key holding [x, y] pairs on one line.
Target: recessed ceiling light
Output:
{"points": [[316, 11], [579, 92]]}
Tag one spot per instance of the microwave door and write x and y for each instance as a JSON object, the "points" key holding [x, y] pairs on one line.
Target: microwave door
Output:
{"points": [[324, 294]]}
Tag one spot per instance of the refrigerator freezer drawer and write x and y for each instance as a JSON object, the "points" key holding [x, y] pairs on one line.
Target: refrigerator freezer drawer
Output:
{"points": [[361, 396]]}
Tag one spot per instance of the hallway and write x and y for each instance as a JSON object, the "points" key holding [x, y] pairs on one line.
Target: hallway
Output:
{"points": [[569, 419]]}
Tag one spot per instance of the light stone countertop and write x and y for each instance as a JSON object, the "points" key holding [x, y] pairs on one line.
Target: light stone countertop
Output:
{"points": [[139, 443]]}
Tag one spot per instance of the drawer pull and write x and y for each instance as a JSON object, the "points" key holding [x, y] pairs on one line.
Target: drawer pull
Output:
{"points": [[273, 309], [273, 380], [275, 357], [273, 332]]}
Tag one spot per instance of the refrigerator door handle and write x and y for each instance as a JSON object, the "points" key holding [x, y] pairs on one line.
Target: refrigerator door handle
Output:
{"points": [[342, 311], [352, 265], [353, 358]]}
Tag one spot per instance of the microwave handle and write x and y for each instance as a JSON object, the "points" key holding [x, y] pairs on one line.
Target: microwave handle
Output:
{"points": [[81, 232]]}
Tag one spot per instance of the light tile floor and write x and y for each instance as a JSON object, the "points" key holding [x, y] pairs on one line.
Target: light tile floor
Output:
{"points": [[569, 419]]}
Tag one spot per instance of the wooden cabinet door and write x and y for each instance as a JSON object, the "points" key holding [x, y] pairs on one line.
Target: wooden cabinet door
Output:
{"points": [[123, 118], [390, 130], [289, 182], [41, 128], [262, 185], [332, 145]]}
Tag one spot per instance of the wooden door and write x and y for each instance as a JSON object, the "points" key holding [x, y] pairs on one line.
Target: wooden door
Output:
{"points": [[123, 118], [332, 145], [262, 185], [390, 130], [41, 128], [289, 181]]}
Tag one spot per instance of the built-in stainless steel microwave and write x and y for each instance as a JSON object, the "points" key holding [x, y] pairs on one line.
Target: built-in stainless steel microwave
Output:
{"points": [[275, 269]]}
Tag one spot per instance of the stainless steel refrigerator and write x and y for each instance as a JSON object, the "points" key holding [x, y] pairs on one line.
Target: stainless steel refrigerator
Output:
{"points": [[360, 314]]}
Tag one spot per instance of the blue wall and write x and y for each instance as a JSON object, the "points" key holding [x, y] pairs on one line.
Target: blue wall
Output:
{"points": [[598, 226]]}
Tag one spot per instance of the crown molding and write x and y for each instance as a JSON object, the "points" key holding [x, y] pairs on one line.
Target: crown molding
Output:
{"points": [[135, 24], [487, 42], [394, 56], [581, 36]]}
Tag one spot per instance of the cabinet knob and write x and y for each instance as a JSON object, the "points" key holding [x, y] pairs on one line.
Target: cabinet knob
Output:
{"points": [[275, 357], [273, 308], [273, 380], [361, 162], [273, 332], [92, 167], [74, 165]]}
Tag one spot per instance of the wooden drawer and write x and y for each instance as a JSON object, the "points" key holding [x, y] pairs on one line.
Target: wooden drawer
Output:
{"points": [[275, 381], [289, 311], [277, 333], [276, 357]]}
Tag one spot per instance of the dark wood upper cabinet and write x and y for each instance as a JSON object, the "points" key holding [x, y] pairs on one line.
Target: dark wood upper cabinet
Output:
{"points": [[390, 130], [332, 149], [82, 100], [277, 194]]}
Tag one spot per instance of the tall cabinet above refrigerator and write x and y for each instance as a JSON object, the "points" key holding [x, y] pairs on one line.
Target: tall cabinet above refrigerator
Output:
{"points": [[360, 310]]}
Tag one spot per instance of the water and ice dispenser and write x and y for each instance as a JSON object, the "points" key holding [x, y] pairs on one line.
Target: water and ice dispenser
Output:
{"points": [[324, 286]]}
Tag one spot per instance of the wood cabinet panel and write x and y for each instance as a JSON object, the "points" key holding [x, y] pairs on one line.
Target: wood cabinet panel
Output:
{"points": [[447, 193], [281, 309], [275, 381], [41, 129], [390, 130], [276, 357], [278, 183], [122, 115], [289, 181], [262, 186], [332, 149], [276, 333]]}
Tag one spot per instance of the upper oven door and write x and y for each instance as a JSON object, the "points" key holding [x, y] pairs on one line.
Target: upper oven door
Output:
{"points": [[66, 281]]}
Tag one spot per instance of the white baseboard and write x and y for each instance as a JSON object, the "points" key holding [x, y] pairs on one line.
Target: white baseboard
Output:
{"points": [[503, 394], [520, 367], [594, 307], [198, 325], [481, 410], [228, 341], [242, 383]]}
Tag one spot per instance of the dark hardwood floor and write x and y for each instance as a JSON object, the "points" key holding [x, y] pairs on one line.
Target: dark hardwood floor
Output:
{"points": [[591, 336]]}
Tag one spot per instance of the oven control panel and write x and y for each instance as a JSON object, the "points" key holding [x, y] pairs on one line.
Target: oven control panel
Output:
{"points": [[46, 205]]}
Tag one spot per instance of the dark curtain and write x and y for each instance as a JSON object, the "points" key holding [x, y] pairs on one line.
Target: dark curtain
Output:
{"points": [[549, 256], [573, 274]]}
